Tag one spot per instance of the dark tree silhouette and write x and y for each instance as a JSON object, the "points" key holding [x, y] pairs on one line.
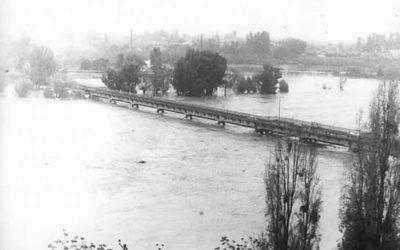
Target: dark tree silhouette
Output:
{"points": [[199, 73], [268, 79], [370, 202], [125, 79], [293, 198], [160, 74]]}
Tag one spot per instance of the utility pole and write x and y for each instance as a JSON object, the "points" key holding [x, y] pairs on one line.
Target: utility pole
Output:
{"points": [[279, 100]]}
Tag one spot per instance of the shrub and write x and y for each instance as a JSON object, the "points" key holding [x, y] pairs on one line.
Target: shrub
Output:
{"points": [[246, 85], [283, 86]]}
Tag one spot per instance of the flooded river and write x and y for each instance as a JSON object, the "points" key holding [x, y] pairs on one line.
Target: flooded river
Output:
{"points": [[107, 172]]}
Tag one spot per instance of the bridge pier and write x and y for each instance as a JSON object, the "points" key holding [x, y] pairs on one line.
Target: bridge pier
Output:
{"points": [[222, 123]]}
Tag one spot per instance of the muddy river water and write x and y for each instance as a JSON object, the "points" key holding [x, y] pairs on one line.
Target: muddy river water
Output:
{"points": [[107, 172]]}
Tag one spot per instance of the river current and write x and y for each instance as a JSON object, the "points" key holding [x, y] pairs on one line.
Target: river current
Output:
{"points": [[107, 172]]}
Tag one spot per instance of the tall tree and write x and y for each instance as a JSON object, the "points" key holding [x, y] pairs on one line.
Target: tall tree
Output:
{"points": [[42, 65], [268, 79], [370, 207], [160, 74], [293, 198], [199, 73]]}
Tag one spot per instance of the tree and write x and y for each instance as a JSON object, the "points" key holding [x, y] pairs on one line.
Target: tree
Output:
{"points": [[126, 75], [268, 79], [199, 73], [289, 49], [293, 198], [370, 202], [133, 59], [120, 61], [160, 74], [42, 65], [125, 79]]}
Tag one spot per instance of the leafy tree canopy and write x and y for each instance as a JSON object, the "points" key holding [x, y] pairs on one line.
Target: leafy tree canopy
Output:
{"points": [[125, 79], [42, 65], [199, 73], [268, 79]]}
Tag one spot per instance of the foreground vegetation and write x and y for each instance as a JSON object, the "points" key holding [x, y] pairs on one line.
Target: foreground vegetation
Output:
{"points": [[370, 200], [370, 214]]}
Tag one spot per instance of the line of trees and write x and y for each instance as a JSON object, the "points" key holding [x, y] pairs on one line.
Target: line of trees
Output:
{"points": [[198, 73], [266, 82], [375, 43], [257, 48], [130, 72], [38, 70]]}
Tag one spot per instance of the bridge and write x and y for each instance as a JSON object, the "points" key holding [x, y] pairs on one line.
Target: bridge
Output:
{"points": [[302, 130]]}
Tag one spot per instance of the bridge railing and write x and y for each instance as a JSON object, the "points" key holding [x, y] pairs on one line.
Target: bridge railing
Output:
{"points": [[222, 112]]}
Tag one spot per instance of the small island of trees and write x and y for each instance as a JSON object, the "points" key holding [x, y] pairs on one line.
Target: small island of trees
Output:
{"points": [[198, 73]]}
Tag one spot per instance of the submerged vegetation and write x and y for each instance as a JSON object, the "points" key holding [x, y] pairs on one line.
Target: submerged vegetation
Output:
{"points": [[199, 73]]}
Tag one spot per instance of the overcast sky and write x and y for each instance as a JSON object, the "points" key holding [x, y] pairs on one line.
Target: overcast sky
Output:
{"points": [[326, 20]]}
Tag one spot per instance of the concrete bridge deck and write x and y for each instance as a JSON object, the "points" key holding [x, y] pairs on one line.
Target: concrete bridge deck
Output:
{"points": [[303, 130]]}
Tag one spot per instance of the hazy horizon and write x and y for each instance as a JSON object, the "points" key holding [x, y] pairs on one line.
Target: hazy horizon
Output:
{"points": [[52, 22]]}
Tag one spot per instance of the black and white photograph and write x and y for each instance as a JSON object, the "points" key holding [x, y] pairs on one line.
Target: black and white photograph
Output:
{"points": [[199, 125]]}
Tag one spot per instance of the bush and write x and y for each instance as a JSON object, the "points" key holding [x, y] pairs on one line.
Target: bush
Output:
{"points": [[22, 88], [251, 243], [283, 86], [246, 85]]}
